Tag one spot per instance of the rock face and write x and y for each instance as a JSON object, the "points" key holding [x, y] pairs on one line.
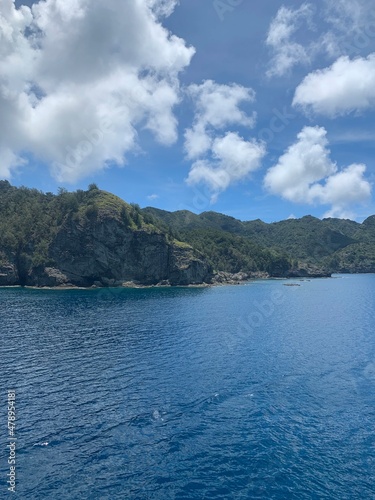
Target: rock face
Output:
{"points": [[8, 275], [106, 253]]}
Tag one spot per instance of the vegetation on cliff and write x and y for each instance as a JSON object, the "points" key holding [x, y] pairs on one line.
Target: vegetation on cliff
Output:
{"points": [[85, 238], [93, 237], [286, 247], [30, 219]]}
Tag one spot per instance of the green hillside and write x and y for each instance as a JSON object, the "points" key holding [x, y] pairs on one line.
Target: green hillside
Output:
{"points": [[334, 245], [93, 236]]}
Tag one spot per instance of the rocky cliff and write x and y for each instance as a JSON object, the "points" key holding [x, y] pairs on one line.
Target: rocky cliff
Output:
{"points": [[103, 243], [107, 254]]}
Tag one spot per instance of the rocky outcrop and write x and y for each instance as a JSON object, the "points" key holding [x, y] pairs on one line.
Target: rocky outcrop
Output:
{"points": [[309, 271], [106, 253], [186, 267], [225, 278], [8, 274], [49, 277]]}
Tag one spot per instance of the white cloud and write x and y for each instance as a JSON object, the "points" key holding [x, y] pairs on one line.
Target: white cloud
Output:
{"points": [[343, 189], [163, 7], [79, 79], [220, 159], [337, 28], [233, 159], [304, 163], [153, 197], [9, 161], [218, 105], [287, 53], [197, 141], [306, 174], [346, 86]]}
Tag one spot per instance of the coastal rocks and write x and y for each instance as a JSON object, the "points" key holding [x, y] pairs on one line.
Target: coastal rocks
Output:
{"points": [[308, 272], [225, 278], [8, 274], [49, 277], [187, 268]]}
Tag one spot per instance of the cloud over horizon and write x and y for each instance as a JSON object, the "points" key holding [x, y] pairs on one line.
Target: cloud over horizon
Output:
{"points": [[306, 174]]}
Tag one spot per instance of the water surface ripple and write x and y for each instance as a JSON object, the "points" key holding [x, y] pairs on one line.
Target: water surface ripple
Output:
{"points": [[259, 391]]}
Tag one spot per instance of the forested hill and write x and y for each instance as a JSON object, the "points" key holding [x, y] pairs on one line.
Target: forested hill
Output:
{"points": [[93, 238], [88, 238], [333, 245]]}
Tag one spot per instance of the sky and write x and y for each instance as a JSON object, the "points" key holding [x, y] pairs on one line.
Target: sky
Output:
{"points": [[253, 109]]}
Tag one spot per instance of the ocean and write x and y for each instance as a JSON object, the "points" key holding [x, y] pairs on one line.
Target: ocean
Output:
{"points": [[256, 391]]}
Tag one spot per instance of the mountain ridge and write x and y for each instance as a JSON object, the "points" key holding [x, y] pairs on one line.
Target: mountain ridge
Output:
{"points": [[312, 241]]}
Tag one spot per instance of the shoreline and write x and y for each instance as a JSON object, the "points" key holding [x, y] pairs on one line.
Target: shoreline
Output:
{"points": [[93, 288], [133, 286]]}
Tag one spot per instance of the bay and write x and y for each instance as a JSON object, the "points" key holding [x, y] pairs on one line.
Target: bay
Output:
{"points": [[253, 391]]}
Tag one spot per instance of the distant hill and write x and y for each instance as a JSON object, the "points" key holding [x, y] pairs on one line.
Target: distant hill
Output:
{"points": [[93, 238], [332, 245]]}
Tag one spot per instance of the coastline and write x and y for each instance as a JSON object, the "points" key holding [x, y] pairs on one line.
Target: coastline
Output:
{"points": [[134, 285]]}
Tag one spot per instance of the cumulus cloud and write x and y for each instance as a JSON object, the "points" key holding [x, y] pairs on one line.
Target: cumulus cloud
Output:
{"points": [[219, 105], [304, 163], [306, 174], [221, 157], [346, 86], [216, 107], [233, 159], [287, 52], [79, 79], [342, 190]]}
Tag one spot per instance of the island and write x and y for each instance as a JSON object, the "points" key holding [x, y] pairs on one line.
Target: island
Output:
{"points": [[92, 238]]}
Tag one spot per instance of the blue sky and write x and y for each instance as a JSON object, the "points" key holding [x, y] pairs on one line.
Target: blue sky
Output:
{"points": [[257, 110]]}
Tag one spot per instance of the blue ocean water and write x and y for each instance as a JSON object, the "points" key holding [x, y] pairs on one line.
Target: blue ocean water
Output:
{"points": [[258, 391]]}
